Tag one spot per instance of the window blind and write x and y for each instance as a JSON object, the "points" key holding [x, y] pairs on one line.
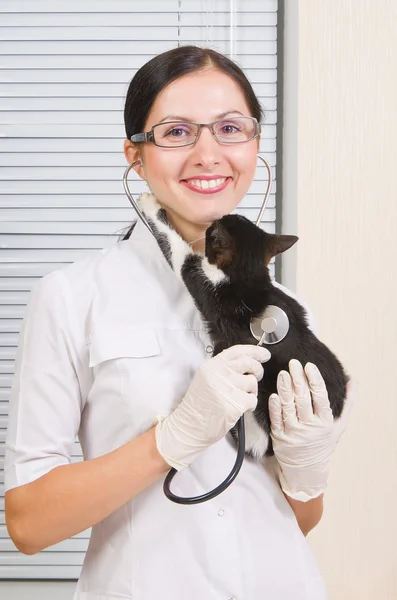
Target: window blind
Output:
{"points": [[65, 69]]}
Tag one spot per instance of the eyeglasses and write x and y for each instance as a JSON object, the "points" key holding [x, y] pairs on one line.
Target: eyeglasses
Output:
{"points": [[174, 134]]}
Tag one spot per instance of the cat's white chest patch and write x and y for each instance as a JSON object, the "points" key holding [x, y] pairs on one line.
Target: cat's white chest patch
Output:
{"points": [[212, 272], [256, 439]]}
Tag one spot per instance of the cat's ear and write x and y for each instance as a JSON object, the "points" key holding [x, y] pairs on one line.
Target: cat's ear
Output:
{"points": [[278, 243]]}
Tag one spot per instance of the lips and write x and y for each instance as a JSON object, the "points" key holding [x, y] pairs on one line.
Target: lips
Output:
{"points": [[206, 185]]}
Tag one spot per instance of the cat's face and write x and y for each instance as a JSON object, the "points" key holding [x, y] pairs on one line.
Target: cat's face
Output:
{"points": [[241, 249]]}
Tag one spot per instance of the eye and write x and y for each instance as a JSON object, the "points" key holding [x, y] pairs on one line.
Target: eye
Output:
{"points": [[177, 132], [228, 129]]}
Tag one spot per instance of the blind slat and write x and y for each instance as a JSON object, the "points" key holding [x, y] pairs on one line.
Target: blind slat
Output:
{"points": [[90, 187], [98, 76], [78, 173], [44, 558], [137, 34], [134, 19], [87, 226], [84, 131], [14, 325], [105, 201], [115, 6], [136, 47], [79, 159], [71, 545], [22, 269], [81, 117], [61, 105], [100, 60], [42, 572], [64, 90], [84, 145]]}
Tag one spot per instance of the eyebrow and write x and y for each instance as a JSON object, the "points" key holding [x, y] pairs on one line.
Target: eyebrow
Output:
{"points": [[178, 118]]}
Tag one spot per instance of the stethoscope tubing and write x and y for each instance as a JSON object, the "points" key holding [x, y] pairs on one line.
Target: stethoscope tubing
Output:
{"points": [[240, 423]]}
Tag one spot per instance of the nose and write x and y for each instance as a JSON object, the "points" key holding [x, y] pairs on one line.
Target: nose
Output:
{"points": [[206, 152]]}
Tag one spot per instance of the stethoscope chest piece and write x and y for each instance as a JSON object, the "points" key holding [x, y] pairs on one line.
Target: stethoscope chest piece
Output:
{"points": [[271, 327]]}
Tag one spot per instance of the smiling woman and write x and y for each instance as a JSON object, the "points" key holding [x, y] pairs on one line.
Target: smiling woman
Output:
{"points": [[114, 349], [215, 120]]}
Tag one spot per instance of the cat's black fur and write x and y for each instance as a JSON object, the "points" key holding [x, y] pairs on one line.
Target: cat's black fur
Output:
{"points": [[242, 251]]}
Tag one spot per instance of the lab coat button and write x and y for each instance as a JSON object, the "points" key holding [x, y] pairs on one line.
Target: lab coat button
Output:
{"points": [[209, 349], [221, 512]]}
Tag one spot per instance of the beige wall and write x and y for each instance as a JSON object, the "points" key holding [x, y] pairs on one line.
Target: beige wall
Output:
{"points": [[340, 180]]}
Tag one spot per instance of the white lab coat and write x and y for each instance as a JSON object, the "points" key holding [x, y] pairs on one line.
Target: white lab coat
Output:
{"points": [[108, 343]]}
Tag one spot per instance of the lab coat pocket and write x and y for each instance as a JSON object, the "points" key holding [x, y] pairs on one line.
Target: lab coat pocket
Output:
{"points": [[144, 371], [130, 365], [110, 343]]}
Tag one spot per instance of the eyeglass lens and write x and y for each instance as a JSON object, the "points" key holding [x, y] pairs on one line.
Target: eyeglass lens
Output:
{"points": [[227, 131]]}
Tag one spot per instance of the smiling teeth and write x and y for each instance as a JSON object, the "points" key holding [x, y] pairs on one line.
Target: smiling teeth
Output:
{"points": [[205, 184]]}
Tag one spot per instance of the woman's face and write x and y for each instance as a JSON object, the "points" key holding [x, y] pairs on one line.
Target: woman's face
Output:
{"points": [[201, 97]]}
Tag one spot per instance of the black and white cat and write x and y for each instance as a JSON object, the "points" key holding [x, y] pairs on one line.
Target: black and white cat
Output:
{"points": [[230, 285]]}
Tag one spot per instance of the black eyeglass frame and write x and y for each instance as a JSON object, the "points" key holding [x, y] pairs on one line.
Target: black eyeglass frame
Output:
{"points": [[148, 136]]}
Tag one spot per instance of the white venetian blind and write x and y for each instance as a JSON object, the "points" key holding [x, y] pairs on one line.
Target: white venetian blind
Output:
{"points": [[65, 69]]}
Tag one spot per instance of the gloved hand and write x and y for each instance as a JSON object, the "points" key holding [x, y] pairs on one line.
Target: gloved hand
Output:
{"points": [[303, 440], [223, 388]]}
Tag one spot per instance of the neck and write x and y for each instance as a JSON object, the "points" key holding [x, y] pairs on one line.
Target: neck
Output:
{"points": [[192, 233]]}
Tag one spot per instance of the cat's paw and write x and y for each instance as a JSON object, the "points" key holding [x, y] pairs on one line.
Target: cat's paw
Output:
{"points": [[213, 273], [257, 441], [179, 249]]}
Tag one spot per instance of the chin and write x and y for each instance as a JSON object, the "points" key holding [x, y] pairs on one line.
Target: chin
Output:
{"points": [[207, 220], [215, 212]]}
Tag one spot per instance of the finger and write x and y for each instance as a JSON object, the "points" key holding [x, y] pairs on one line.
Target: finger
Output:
{"points": [[303, 399], [252, 402], [276, 416], [246, 383], [321, 405], [247, 364], [286, 394], [242, 400], [260, 353]]}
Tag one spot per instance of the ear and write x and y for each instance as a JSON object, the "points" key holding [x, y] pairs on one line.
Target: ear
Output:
{"points": [[132, 154], [277, 243]]}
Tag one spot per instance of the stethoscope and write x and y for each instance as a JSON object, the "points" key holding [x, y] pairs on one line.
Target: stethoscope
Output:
{"points": [[270, 328]]}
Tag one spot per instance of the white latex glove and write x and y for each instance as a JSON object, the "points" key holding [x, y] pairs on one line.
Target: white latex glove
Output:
{"points": [[223, 388], [303, 439]]}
